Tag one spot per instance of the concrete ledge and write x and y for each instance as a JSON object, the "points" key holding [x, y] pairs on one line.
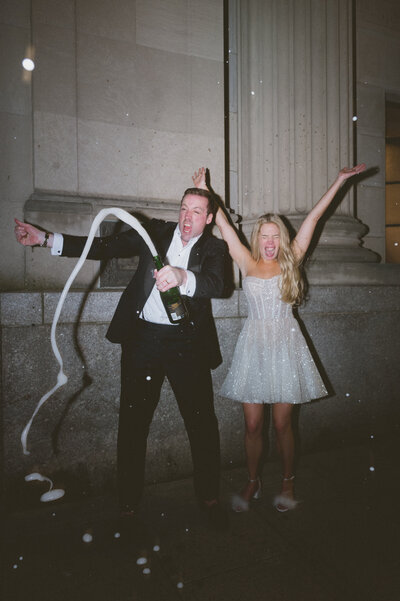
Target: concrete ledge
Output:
{"points": [[351, 299], [333, 273], [27, 308]]}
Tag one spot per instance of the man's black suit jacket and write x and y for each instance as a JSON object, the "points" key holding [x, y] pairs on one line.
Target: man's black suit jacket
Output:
{"points": [[207, 260]]}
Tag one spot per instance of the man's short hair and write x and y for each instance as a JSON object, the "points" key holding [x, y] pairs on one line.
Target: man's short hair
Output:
{"points": [[212, 204]]}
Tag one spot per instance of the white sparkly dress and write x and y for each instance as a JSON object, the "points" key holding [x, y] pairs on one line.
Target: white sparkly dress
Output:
{"points": [[271, 362]]}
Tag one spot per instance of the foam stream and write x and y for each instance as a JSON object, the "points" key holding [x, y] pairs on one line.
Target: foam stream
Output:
{"points": [[62, 378]]}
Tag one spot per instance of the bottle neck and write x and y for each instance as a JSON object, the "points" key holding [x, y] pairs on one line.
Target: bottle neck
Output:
{"points": [[157, 262]]}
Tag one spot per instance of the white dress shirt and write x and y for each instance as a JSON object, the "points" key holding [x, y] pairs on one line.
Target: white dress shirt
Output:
{"points": [[177, 256]]}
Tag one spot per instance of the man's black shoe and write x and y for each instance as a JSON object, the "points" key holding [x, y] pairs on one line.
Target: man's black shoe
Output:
{"points": [[217, 517]]}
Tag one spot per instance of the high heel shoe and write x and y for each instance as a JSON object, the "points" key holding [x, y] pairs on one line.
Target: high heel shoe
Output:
{"points": [[282, 502], [239, 504]]}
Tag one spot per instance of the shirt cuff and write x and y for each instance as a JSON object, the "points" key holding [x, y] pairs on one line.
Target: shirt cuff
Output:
{"points": [[189, 288], [58, 243]]}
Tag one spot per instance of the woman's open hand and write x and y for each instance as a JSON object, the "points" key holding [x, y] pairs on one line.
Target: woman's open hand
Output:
{"points": [[199, 178], [347, 172]]}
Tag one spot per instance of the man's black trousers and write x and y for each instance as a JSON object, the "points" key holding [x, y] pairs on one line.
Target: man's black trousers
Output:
{"points": [[156, 352]]}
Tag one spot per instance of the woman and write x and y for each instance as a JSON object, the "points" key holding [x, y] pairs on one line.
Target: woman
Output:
{"points": [[272, 363]]}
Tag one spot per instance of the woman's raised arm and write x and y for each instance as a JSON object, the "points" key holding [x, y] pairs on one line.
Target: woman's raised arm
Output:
{"points": [[238, 251], [304, 236]]}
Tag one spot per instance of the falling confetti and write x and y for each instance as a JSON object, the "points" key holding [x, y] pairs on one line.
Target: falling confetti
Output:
{"points": [[156, 548], [141, 561], [87, 537]]}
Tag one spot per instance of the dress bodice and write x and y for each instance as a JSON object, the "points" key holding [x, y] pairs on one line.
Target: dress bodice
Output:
{"points": [[264, 298]]}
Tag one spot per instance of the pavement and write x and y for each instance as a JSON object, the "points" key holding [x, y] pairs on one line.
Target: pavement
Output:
{"points": [[341, 542]]}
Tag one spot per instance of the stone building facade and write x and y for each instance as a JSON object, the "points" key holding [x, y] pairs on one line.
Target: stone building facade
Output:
{"points": [[126, 100]]}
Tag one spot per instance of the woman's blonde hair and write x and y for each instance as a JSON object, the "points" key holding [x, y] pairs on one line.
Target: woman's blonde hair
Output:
{"points": [[291, 286]]}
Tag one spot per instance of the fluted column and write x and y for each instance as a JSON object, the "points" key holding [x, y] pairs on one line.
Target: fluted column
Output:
{"points": [[295, 114]]}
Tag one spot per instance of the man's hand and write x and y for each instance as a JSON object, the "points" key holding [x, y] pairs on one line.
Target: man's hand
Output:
{"points": [[169, 277], [199, 178], [29, 235]]}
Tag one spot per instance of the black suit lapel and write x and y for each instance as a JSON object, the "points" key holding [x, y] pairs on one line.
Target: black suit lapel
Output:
{"points": [[162, 241], [194, 263], [164, 246]]}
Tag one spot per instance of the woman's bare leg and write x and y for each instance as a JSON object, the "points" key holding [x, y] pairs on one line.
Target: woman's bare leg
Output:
{"points": [[253, 440], [282, 419]]}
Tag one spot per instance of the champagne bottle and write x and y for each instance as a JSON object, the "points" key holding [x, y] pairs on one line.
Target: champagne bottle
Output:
{"points": [[172, 300]]}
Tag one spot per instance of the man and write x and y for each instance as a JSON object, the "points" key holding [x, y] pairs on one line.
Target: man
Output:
{"points": [[152, 348]]}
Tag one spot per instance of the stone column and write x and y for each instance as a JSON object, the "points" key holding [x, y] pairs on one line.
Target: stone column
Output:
{"points": [[295, 98]]}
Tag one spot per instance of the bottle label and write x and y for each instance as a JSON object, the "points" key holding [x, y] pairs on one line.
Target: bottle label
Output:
{"points": [[176, 310]]}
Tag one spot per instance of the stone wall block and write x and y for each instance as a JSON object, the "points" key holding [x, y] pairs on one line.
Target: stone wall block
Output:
{"points": [[169, 150], [226, 307], [59, 13], [97, 142], [93, 307], [114, 20], [15, 13], [45, 271], [370, 109], [21, 309], [15, 90], [362, 299], [207, 99], [162, 94], [372, 152], [55, 145], [16, 185], [15, 157], [344, 272], [184, 27], [80, 413], [106, 79], [370, 202], [55, 79]]}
